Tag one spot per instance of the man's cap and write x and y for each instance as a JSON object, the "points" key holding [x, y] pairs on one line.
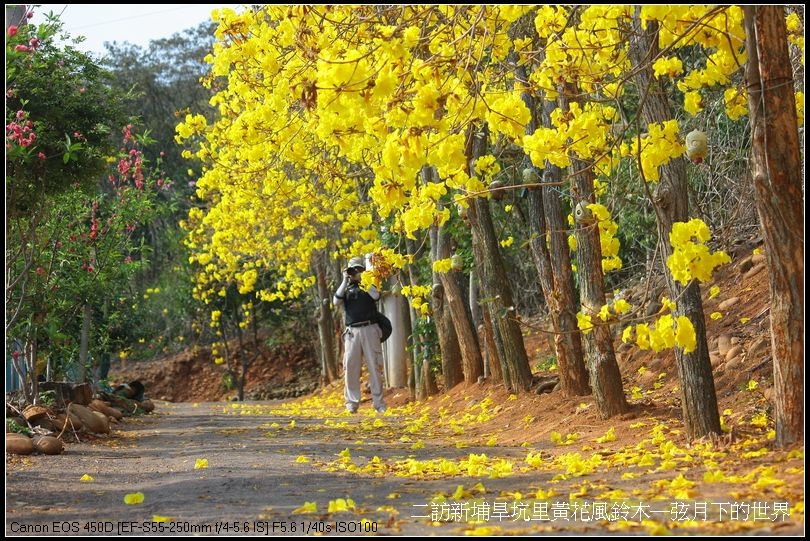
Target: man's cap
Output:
{"points": [[356, 262]]}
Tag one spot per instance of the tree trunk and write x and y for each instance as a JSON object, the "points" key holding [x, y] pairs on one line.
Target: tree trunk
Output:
{"points": [[495, 290], [554, 268], [326, 324], [494, 366], [471, 358], [442, 315], [567, 342], [84, 348], [605, 376], [778, 181], [425, 383], [698, 398], [475, 306], [461, 317]]}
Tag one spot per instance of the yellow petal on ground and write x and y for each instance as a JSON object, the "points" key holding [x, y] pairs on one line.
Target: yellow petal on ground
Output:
{"points": [[161, 518], [544, 494], [418, 445], [134, 498], [308, 507], [484, 531], [341, 504], [87, 478], [302, 459], [201, 464], [610, 435], [655, 528], [715, 476], [393, 496]]}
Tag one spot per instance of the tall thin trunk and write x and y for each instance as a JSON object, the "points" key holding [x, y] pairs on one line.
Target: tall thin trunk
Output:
{"points": [[326, 324], [472, 361], [425, 379], [494, 366], [777, 178], [605, 376], [442, 315], [698, 397], [496, 292], [87, 315], [550, 252]]}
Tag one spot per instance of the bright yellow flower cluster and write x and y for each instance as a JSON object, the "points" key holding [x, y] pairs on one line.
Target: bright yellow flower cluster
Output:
{"points": [[443, 265], [608, 313], [736, 103], [607, 237], [418, 295], [328, 116], [667, 333], [795, 32], [691, 258], [669, 66], [657, 148]]}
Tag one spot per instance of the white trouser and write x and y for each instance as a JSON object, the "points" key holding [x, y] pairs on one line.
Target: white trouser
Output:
{"points": [[362, 343]]}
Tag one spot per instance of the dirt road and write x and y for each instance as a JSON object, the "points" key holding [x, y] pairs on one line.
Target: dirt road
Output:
{"points": [[251, 486], [261, 468]]}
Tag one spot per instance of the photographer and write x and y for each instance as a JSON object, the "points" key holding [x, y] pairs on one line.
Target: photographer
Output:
{"points": [[361, 338]]}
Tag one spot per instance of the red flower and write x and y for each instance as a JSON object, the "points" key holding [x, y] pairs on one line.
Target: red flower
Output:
{"points": [[22, 49], [12, 30]]}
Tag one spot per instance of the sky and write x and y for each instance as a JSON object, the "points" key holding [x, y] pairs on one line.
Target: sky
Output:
{"points": [[135, 23]]}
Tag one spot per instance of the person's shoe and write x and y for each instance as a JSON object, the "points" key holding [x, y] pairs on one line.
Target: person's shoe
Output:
{"points": [[381, 409], [351, 408]]}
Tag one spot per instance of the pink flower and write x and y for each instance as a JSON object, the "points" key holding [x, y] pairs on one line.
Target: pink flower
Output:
{"points": [[22, 49], [12, 30], [41, 156], [29, 15], [40, 271], [34, 43]]}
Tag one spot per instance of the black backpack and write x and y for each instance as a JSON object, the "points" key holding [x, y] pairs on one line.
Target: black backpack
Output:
{"points": [[385, 326]]}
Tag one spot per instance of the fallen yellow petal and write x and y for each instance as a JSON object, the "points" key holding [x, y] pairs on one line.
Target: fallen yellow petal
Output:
{"points": [[134, 498], [87, 478], [484, 531], [161, 518], [201, 464], [308, 507]]}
